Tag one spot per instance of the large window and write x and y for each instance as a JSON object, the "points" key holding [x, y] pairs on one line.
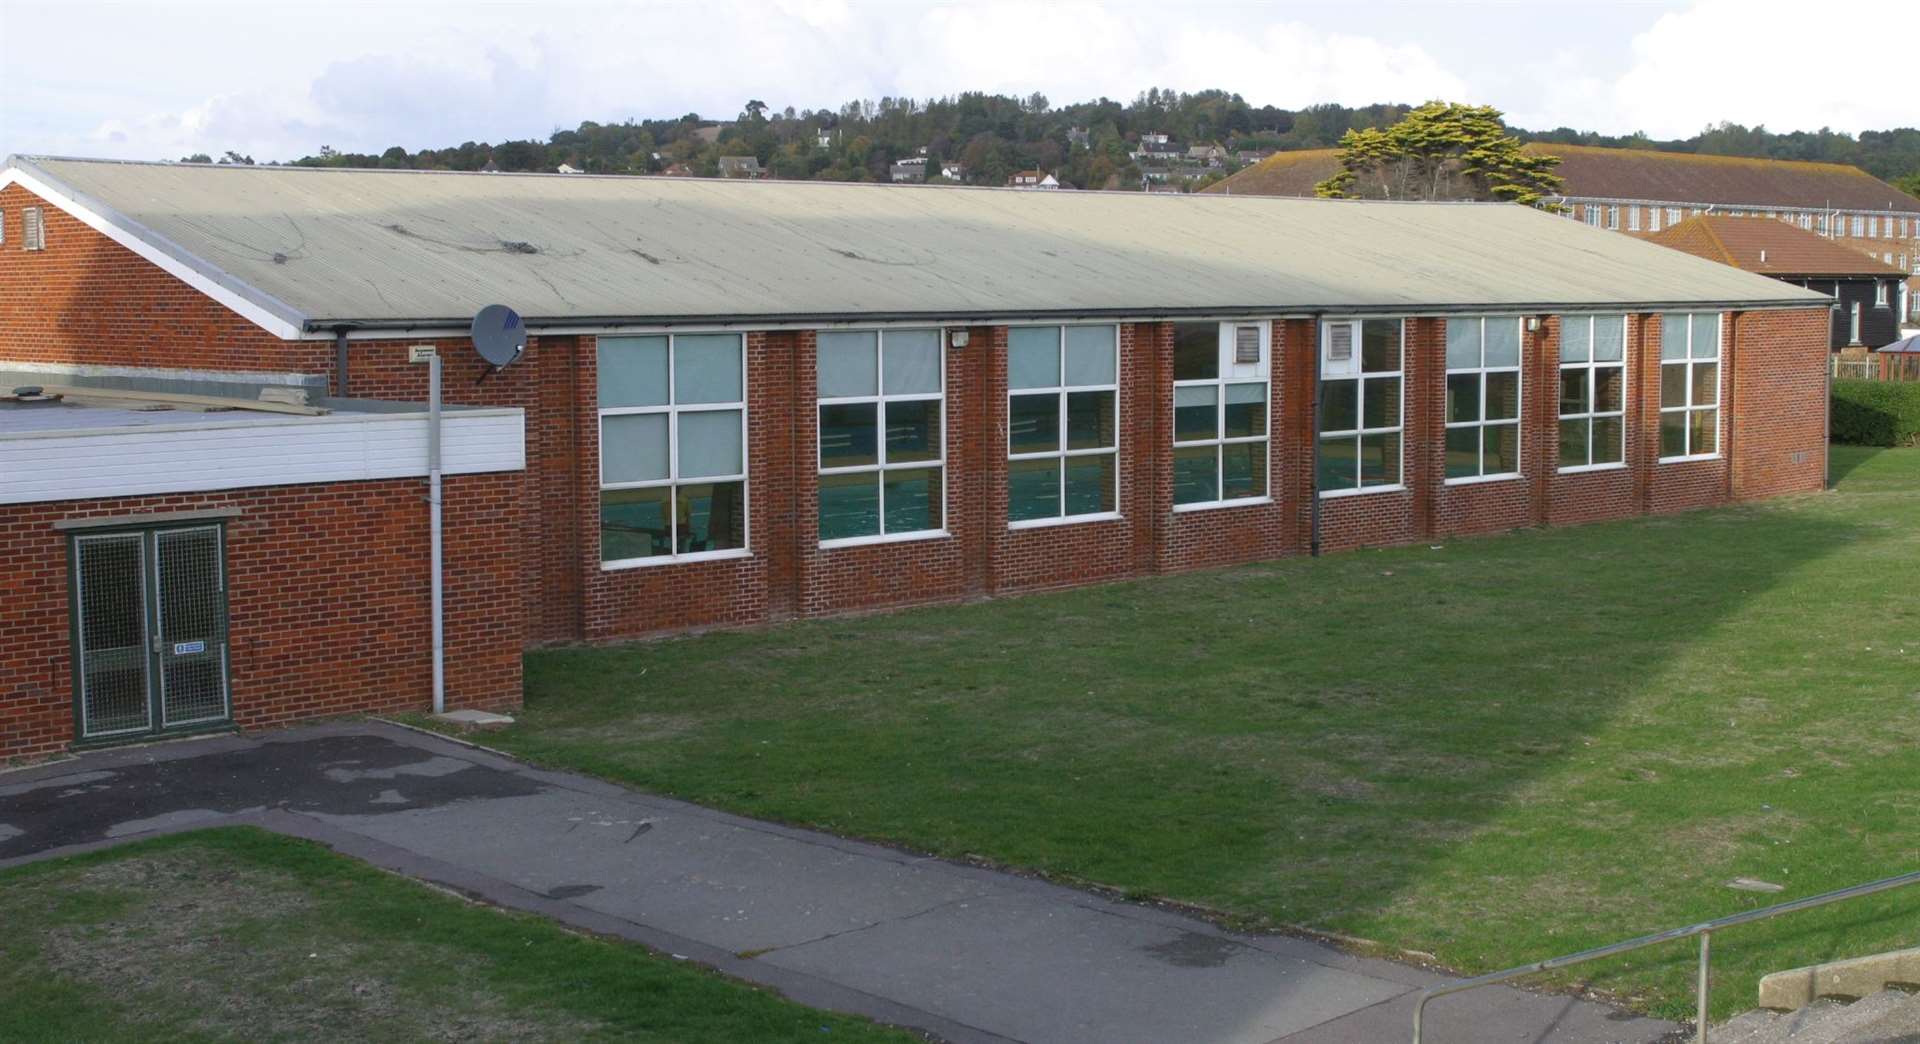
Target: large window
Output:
{"points": [[1062, 399], [881, 444], [1220, 388], [1360, 406], [673, 425], [1593, 382], [1689, 385], [1483, 398]]}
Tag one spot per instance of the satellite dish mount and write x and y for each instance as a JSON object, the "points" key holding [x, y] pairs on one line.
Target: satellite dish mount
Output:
{"points": [[499, 336]]}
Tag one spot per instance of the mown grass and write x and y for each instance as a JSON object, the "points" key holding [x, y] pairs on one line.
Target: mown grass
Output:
{"points": [[236, 934], [1496, 750]]}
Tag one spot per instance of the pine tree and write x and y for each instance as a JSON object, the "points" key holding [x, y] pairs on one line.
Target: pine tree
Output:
{"points": [[1441, 150]]}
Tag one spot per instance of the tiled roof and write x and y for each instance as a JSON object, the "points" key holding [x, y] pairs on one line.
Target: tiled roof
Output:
{"points": [[1638, 174], [1769, 247]]}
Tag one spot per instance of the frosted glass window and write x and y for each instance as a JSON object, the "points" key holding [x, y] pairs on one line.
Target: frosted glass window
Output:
{"points": [[912, 362], [706, 368], [848, 363], [633, 447], [1091, 355], [1033, 357], [710, 444], [633, 371]]}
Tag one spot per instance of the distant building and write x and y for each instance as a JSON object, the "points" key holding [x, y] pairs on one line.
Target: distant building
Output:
{"points": [[741, 167], [953, 171], [1211, 155], [1032, 179], [1080, 136], [824, 139], [1156, 148], [489, 167], [677, 170], [1252, 155], [911, 169], [568, 168]]}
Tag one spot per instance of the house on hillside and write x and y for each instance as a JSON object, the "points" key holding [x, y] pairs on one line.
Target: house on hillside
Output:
{"points": [[741, 167], [1207, 155], [1155, 148], [1081, 137], [1867, 294], [737, 406], [1032, 179], [568, 168], [953, 171], [911, 169]]}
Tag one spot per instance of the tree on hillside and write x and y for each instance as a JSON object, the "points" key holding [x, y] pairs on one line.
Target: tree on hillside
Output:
{"points": [[1909, 184], [1441, 150]]}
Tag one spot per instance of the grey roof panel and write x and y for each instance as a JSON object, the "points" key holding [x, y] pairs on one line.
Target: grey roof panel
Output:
{"points": [[429, 247]]}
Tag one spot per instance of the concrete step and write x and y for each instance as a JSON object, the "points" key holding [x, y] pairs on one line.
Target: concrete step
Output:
{"points": [[1857, 977]]}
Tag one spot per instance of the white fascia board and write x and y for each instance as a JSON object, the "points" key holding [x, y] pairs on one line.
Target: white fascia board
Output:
{"points": [[263, 310]]}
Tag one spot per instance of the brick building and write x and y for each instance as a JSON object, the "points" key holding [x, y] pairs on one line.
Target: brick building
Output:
{"points": [[750, 403]]}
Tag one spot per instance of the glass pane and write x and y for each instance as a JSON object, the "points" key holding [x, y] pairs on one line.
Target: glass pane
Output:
{"points": [[710, 444], [1575, 337], [1573, 442], [1339, 463], [1609, 338], [1033, 423], [1380, 345], [1673, 384], [912, 362], [633, 371], [1573, 391], [1500, 448], [1381, 406], [1091, 484], [1380, 459], [913, 430], [1503, 395], [1033, 357], [849, 435], [1706, 335], [1033, 489], [1196, 351], [633, 447], [847, 363], [912, 498], [849, 505], [1609, 440], [1463, 452], [1706, 383], [1463, 397], [1243, 470], [1673, 434], [706, 368], [1673, 337], [713, 516], [1463, 344], [1609, 385], [1705, 430], [1339, 405], [1090, 354], [1196, 478], [1090, 419], [1503, 342], [1196, 413], [634, 523], [1246, 410]]}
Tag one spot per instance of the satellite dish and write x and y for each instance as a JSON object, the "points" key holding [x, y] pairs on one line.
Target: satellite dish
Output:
{"points": [[499, 335]]}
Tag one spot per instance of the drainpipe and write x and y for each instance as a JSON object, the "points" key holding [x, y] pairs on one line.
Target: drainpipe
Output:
{"points": [[1313, 435], [340, 361], [433, 528]]}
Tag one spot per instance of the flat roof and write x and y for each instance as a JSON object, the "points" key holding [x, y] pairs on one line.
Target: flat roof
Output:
{"points": [[77, 413], [313, 248]]}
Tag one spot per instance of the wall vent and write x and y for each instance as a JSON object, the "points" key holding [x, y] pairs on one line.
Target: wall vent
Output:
{"points": [[33, 231]]}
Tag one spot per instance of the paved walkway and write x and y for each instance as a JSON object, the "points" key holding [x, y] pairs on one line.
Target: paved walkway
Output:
{"points": [[963, 953]]}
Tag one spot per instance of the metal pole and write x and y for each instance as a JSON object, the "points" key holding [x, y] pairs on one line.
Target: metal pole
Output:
{"points": [[433, 527], [1700, 992]]}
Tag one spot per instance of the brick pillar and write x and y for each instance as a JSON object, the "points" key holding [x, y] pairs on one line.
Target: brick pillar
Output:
{"points": [[977, 390], [1729, 373], [783, 477], [1539, 425], [1150, 445], [554, 460], [1424, 369], [1643, 407], [585, 375], [1295, 350]]}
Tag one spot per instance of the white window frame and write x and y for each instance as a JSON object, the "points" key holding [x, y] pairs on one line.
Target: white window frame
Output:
{"points": [[1592, 213], [1481, 371], [877, 469], [1653, 219], [1673, 216], [1613, 219], [1687, 406], [33, 228], [1360, 378], [1221, 380], [1061, 452], [3, 228], [673, 412], [1633, 218], [1592, 368], [1859, 224], [1880, 296]]}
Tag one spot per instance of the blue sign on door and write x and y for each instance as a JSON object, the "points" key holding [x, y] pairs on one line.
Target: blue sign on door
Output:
{"points": [[188, 648]]}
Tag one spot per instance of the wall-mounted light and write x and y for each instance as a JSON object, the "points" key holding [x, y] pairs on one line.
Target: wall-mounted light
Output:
{"points": [[957, 338], [1533, 324]]}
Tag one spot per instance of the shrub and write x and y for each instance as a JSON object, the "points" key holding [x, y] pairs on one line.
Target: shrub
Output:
{"points": [[1876, 413]]}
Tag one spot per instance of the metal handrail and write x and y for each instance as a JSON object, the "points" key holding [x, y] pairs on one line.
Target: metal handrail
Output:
{"points": [[1704, 930]]}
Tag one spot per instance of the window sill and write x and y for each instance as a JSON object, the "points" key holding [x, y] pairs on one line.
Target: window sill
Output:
{"points": [[1215, 505], [1481, 480], [670, 560], [1583, 469], [1690, 459], [1335, 494], [885, 538], [1065, 520]]}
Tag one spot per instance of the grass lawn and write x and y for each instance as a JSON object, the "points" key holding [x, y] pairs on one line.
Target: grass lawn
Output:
{"points": [[1493, 751], [237, 934]]}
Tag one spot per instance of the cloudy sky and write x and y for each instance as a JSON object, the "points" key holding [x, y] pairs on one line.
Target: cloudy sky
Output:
{"points": [[278, 80]]}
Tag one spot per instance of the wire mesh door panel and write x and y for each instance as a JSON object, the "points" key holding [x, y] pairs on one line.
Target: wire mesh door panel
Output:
{"points": [[192, 625], [110, 629]]}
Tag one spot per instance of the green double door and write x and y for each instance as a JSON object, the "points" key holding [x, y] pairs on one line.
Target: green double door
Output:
{"points": [[149, 631]]}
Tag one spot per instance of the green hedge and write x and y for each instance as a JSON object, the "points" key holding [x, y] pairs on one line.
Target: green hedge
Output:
{"points": [[1876, 413]]}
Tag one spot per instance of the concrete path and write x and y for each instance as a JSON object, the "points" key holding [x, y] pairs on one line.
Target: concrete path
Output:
{"points": [[959, 952]]}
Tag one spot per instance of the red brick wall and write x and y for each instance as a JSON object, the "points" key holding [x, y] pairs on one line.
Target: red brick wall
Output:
{"points": [[1778, 444], [327, 600]]}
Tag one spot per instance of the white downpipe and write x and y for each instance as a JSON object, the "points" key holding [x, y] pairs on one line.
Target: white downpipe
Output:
{"points": [[433, 528]]}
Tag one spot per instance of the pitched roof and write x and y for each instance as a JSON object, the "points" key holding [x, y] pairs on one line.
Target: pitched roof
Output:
{"points": [[307, 249], [1769, 247], [1635, 174]]}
